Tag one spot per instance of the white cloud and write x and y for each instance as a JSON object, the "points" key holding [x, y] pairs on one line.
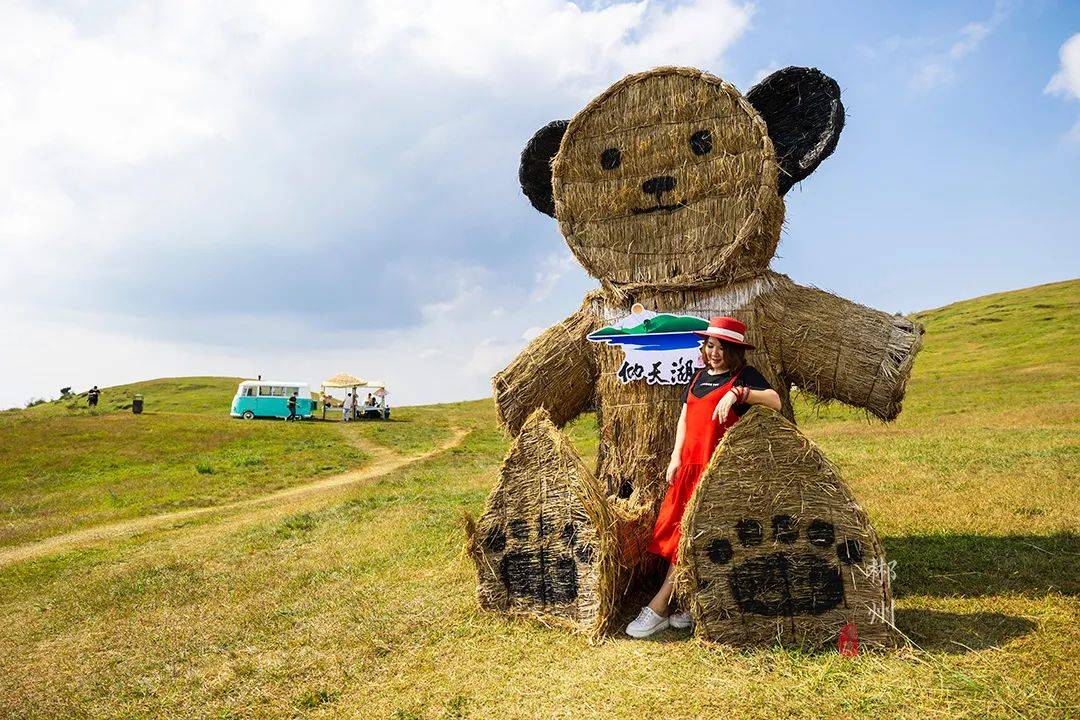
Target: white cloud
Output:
{"points": [[343, 173], [971, 35], [489, 356], [762, 73], [939, 69], [932, 74], [554, 268], [554, 40], [1066, 81], [451, 355], [110, 98], [103, 108]]}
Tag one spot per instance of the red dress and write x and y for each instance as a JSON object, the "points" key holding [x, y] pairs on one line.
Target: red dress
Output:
{"points": [[701, 437]]}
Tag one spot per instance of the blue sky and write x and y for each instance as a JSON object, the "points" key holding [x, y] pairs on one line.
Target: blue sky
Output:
{"points": [[300, 189]]}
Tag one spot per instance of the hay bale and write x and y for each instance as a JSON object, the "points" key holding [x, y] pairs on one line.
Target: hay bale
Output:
{"points": [[636, 424], [775, 548], [824, 344], [546, 544], [557, 372], [840, 350], [716, 216], [706, 160], [637, 421]]}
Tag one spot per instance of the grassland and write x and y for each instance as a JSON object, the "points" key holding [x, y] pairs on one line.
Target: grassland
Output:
{"points": [[359, 602], [64, 466]]}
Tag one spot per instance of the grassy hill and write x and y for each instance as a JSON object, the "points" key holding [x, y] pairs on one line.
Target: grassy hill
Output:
{"points": [[204, 395], [361, 603], [991, 413], [993, 353], [64, 466]]}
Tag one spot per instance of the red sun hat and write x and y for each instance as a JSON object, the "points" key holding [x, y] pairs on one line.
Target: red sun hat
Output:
{"points": [[727, 329]]}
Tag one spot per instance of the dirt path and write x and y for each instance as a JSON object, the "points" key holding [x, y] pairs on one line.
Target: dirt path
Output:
{"points": [[383, 461]]}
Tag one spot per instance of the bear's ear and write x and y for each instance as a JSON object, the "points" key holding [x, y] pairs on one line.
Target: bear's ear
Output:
{"points": [[802, 108], [535, 170]]}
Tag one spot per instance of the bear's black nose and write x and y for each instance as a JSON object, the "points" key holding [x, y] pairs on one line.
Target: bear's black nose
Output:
{"points": [[658, 185]]}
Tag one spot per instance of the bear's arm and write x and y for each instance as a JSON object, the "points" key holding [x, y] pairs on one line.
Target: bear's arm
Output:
{"points": [[839, 350], [556, 371]]}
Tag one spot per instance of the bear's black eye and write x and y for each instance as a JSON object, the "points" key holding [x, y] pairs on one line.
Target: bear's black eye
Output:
{"points": [[701, 142], [610, 158]]}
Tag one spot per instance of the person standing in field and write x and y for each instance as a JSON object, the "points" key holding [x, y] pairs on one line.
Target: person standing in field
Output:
{"points": [[353, 403], [292, 407], [715, 399], [92, 396], [346, 407]]}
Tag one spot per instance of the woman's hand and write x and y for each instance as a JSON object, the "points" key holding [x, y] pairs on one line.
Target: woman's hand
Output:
{"points": [[724, 406], [671, 468]]}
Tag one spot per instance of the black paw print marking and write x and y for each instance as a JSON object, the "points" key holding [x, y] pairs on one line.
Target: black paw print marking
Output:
{"points": [[544, 572], [786, 583]]}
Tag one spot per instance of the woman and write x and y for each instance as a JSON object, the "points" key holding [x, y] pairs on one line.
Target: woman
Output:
{"points": [[713, 401]]}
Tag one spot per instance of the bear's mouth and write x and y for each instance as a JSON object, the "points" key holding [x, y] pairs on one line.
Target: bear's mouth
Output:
{"points": [[658, 207]]}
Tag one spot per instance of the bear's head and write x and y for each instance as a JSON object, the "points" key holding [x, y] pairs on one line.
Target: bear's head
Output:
{"points": [[671, 178]]}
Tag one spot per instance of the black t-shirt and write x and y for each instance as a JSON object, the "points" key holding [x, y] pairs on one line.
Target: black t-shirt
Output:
{"points": [[706, 382], [292, 401]]}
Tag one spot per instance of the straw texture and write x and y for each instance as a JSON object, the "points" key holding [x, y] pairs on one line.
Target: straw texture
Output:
{"points": [[775, 548], [839, 350], [723, 215], [556, 371], [667, 189], [545, 546], [823, 343]]}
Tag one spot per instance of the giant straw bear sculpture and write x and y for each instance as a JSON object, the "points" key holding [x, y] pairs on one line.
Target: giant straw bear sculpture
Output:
{"points": [[668, 188]]}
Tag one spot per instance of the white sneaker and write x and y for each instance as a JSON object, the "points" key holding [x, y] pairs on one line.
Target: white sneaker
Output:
{"points": [[680, 620], [646, 623]]}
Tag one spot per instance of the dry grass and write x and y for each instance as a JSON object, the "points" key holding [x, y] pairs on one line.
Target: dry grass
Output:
{"points": [[770, 505], [362, 603]]}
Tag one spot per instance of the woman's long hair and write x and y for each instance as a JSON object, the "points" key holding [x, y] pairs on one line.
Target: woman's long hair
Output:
{"points": [[734, 355]]}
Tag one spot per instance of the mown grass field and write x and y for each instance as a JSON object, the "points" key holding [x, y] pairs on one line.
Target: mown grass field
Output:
{"points": [[359, 602]]}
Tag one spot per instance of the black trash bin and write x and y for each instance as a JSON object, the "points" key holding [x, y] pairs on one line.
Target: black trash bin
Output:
{"points": [[136, 405]]}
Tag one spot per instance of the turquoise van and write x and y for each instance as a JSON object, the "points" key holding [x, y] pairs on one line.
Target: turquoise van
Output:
{"points": [[267, 398]]}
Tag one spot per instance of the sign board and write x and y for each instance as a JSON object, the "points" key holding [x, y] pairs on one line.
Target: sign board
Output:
{"points": [[659, 348]]}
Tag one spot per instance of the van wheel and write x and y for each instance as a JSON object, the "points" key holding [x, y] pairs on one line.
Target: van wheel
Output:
{"points": [[248, 415]]}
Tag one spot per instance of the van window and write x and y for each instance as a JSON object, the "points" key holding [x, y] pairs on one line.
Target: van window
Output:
{"points": [[278, 391], [249, 391], [264, 390], [293, 390]]}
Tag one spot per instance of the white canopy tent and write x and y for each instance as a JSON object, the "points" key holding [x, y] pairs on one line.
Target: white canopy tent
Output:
{"points": [[345, 380]]}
